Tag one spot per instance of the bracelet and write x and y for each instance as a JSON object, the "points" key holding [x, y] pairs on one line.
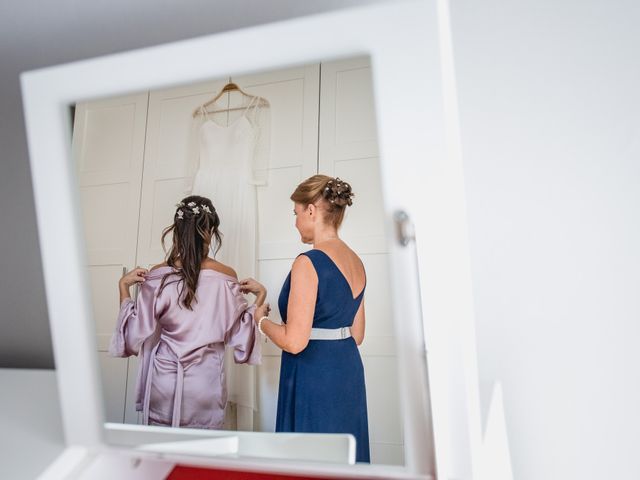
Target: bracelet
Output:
{"points": [[260, 324]]}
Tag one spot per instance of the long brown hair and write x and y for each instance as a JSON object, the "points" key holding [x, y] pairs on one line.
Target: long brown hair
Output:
{"points": [[195, 226], [335, 194]]}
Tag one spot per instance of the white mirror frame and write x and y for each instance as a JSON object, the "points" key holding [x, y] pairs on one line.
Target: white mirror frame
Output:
{"points": [[412, 66]]}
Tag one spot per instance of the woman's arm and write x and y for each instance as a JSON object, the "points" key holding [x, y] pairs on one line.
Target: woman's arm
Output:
{"points": [[357, 329], [293, 336], [249, 285], [137, 275], [136, 319]]}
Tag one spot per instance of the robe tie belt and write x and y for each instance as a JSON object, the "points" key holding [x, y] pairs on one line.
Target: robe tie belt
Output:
{"points": [[177, 396]]}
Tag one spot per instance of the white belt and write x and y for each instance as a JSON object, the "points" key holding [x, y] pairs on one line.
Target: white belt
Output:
{"points": [[330, 333]]}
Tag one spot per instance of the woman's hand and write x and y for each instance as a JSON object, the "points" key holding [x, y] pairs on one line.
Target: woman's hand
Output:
{"points": [[262, 311], [249, 285], [137, 275]]}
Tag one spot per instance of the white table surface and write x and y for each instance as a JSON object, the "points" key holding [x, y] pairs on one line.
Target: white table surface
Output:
{"points": [[31, 434]]}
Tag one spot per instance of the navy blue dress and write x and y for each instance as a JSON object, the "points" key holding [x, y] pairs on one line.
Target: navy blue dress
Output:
{"points": [[322, 388]]}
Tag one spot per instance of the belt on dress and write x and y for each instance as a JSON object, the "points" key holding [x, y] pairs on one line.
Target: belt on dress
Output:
{"points": [[330, 333]]}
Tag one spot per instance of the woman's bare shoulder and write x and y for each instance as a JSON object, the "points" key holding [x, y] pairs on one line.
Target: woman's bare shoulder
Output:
{"points": [[211, 264], [303, 268]]}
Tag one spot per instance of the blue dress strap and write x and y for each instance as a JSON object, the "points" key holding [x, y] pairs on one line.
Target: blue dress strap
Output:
{"points": [[324, 265], [318, 258]]}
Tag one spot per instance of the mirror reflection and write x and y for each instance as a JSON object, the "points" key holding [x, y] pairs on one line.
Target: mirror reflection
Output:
{"points": [[237, 256]]}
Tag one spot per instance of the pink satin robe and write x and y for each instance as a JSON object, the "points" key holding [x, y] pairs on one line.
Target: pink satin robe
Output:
{"points": [[181, 378]]}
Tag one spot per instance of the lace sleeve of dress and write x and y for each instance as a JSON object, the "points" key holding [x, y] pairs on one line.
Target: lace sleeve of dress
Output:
{"points": [[242, 334], [136, 322], [261, 121]]}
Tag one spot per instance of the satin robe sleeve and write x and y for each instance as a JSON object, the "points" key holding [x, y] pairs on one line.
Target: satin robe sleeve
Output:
{"points": [[136, 322], [242, 335]]}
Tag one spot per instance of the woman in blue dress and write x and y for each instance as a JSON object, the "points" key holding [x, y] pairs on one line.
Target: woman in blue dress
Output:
{"points": [[322, 387]]}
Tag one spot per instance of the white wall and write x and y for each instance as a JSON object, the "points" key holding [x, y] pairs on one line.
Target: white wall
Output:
{"points": [[549, 97]]}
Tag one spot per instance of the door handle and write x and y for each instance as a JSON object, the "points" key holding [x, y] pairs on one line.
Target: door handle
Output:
{"points": [[405, 232]]}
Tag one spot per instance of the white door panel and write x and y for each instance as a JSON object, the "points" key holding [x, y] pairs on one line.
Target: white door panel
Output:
{"points": [[114, 375], [348, 149], [268, 381], [105, 298], [278, 237], [108, 148], [363, 227], [347, 121]]}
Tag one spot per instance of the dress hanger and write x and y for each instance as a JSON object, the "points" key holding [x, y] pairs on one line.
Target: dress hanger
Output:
{"points": [[229, 87]]}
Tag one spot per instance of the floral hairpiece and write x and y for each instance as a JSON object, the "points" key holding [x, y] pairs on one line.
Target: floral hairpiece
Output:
{"points": [[339, 189], [195, 209]]}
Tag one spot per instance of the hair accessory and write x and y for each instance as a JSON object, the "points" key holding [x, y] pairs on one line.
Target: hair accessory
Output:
{"points": [[338, 192], [193, 208]]}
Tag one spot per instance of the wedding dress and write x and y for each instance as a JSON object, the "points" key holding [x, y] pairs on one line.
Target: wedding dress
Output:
{"points": [[232, 161]]}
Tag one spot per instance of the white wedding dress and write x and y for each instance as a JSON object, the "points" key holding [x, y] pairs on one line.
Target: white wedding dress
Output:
{"points": [[232, 160]]}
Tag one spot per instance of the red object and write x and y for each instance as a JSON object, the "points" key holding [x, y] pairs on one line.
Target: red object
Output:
{"points": [[197, 473]]}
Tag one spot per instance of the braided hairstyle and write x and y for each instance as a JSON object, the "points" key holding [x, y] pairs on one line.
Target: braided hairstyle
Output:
{"points": [[335, 194], [195, 226]]}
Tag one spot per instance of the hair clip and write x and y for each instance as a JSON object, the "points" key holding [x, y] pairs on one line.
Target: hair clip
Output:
{"points": [[205, 208], [195, 210], [191, 204], [180, 214]]}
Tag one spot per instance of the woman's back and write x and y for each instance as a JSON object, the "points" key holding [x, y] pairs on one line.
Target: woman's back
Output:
{"points": [[322, 388], [181, 350], [348, 263], [213, 312], [341, 285]]}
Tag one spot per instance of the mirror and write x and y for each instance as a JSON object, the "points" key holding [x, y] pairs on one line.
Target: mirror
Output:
{"points": [[413, 178], [138, 155]]}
